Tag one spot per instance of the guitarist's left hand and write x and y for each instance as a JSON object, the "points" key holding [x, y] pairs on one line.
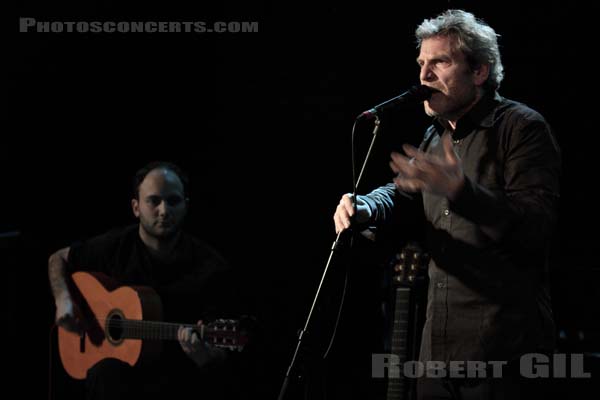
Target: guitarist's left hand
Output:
{"points": [[195, 348]]}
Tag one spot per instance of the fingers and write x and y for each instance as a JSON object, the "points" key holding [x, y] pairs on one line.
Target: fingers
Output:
{"points": [[69, 323], [410, 151], [401, 164], [346, 203], [189, 335], [181, 338], [186, 339], [408, 168], [421, 159], [431, 173], [449, 152], [410, 185], [343, 213], [412, 173], [68, 315]]}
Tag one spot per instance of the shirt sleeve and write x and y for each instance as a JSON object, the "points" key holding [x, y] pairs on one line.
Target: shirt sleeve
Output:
{"points": [[93, 254]]}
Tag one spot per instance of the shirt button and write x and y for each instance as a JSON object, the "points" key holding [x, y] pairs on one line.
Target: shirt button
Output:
{"points": [[456, 141], [446, 212], [441, 285]]}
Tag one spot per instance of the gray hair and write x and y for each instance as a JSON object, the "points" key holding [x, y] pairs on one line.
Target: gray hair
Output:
{"points": [[474, 38]]}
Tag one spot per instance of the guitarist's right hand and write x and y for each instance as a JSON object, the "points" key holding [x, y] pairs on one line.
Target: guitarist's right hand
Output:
{"points": [[68, 315]]}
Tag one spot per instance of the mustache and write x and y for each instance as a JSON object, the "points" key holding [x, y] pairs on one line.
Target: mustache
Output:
{"points": [[434, 90]]}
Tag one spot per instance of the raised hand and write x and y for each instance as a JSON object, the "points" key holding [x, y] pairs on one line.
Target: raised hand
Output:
{"points": [[421, 172]]}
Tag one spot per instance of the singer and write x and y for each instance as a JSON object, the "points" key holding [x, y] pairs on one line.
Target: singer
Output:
{"points": [[486, 177]]}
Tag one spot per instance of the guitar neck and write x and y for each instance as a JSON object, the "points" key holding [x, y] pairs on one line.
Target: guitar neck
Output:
{"points": [[152, 330], [406, 268], [399, 345]]}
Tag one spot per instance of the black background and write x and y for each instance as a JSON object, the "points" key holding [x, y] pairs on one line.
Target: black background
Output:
{"points": [[261, 121]]}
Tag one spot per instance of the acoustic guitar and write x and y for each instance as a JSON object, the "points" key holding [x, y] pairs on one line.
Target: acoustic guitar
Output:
{"points": [[124, 322]]}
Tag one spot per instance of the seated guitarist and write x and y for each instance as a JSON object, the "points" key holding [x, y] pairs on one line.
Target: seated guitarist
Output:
{"points": [[190, 278]]}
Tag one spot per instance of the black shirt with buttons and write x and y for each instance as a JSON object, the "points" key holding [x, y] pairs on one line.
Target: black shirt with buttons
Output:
{"points": [[488, 297]]}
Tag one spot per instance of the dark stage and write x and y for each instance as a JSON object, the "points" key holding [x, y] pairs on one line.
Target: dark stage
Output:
{"points": [[261, 121]]}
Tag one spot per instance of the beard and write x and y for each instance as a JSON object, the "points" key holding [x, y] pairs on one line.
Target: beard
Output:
{"points": [[159, 231], [450, 108], [430, 112]]}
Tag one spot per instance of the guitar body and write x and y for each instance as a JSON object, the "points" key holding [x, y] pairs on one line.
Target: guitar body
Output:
{"points": [[102, 300]]}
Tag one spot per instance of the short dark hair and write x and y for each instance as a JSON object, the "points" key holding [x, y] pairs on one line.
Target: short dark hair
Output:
{"points": [[140, 175]]}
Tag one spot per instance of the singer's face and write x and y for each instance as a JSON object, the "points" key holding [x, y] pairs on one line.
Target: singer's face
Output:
{"points": [[444, 68], [161, 205]]}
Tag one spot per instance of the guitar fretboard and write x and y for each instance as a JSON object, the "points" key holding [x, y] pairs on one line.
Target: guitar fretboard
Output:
{"points": [[218, 335], [399, 345], [136, 329]]}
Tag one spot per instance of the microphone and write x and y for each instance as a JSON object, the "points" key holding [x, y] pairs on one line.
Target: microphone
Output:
{"points": [[415, 94]]}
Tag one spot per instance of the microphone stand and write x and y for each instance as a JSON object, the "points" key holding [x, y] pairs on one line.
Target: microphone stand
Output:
{"points": [[335, 247]]}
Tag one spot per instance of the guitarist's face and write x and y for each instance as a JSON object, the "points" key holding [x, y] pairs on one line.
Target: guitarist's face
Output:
{"points": [[161, 207]]}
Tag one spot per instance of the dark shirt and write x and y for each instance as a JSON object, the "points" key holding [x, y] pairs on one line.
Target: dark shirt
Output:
{"points": [[488, 296]]}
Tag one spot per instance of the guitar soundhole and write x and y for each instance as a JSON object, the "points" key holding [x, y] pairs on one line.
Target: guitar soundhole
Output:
{"points": [[114, 327]]}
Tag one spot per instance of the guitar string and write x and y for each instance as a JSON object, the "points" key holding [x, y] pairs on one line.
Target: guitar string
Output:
{"points": [[168, 330], [116, 322]]}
